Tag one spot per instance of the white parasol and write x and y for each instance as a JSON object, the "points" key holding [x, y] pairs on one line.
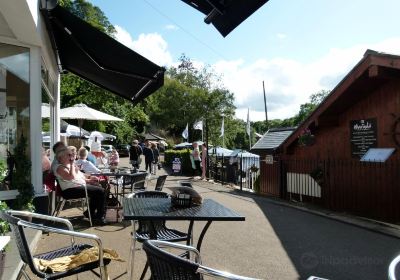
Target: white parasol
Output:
{"points": [[82, 112]]}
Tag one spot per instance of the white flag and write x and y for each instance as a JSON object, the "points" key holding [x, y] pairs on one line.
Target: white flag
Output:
{"points": [[248, 123], [198, 125], [222, 128], [185, 133]]}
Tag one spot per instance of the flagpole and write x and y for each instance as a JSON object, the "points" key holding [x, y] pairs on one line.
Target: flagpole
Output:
{"points": [[248, 130], [249, 142], [223, 131]]}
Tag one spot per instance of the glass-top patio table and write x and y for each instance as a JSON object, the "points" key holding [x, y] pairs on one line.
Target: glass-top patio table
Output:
{"points": [[152, 209]]}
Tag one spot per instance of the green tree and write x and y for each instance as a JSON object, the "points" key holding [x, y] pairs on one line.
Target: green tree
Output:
{"points": [[89, 13], [190, 94], [307, 108]]}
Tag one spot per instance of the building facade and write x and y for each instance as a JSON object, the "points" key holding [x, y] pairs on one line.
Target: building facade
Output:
{"points": [[28, 77]]}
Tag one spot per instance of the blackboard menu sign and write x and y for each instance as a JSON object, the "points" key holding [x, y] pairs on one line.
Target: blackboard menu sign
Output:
{"points": [[363, 135]]}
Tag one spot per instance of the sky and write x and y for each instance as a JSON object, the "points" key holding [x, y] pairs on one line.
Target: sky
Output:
{"points": [[297, 47]]}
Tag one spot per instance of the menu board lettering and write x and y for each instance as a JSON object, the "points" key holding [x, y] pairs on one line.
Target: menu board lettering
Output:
{"points": [[363, 135]]}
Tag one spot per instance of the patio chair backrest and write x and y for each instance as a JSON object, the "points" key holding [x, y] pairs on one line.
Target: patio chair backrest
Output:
{"points": [[160, 182], [185, 184], [140, 181], [20, 240], [163, 263]]}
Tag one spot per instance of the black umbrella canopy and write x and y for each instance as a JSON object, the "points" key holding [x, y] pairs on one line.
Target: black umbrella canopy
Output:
{"points": [[93, 55], [226, 15]]}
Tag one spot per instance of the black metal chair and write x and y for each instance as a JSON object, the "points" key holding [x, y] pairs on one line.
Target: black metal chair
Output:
{"points": [[168, 265], [160, 182], [18, 225], [128, 184], [153, 230]]}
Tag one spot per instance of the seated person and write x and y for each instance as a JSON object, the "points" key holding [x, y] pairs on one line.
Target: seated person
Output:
{"points": [[84, 164], [56, 147], [73, 152], [90, 156], [72, 183], [113, 160]]}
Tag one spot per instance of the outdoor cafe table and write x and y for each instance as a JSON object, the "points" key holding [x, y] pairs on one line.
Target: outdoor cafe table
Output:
{"points": [[153, 209]]}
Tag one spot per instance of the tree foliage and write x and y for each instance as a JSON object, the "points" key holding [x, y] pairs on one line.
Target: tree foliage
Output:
{"points": [[305, 110], [189, 95], [89, 13]]}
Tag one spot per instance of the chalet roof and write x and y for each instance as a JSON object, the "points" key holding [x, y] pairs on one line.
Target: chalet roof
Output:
{"points": [[373, 70], [273, 138]]}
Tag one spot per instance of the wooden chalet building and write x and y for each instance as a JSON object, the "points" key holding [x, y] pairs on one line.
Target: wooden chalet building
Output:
{"points": [[268, 148], [320, 160]]}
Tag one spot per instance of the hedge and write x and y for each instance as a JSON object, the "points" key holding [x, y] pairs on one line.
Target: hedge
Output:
{"points": [[184, 155]]}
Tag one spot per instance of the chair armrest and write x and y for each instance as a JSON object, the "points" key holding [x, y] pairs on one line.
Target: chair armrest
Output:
{"points": [[392, 267], [202, 269], [223, 274], [67, 232], [42, 217], [166, 244]]}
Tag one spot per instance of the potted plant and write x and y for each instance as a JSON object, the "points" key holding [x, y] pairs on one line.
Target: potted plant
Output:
{"points": [[4, 228], [318, 175], [306, 138], [21, 179], [3, 174], [253, 168]]}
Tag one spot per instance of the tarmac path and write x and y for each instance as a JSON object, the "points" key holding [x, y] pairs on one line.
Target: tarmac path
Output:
{"points": [[275, 242]]}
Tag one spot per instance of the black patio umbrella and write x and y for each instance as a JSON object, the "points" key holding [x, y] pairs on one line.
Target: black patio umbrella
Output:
{"points": [[226, 15]]}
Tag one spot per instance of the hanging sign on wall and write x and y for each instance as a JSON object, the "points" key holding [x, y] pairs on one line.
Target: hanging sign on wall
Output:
{"points": [[363, 136]]}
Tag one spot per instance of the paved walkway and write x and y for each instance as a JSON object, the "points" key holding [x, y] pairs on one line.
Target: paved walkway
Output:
{"points": [[276, 241]]}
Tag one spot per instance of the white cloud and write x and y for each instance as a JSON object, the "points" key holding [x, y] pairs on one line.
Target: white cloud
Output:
{"points": [[289, 83], [171, 27], [152, 46]]}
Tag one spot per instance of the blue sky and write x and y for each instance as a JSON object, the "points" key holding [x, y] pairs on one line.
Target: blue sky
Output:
{"points": [[297, 47]]}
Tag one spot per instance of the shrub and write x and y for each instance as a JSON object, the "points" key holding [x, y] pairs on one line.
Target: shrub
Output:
{"points": [[4, 226], [184, 155], [22, 177]]}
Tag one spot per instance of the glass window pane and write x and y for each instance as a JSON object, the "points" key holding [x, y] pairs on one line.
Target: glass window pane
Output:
{"points": [[14, 106]]}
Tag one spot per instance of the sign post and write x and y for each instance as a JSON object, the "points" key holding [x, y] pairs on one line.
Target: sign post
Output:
{"points": [[176, 166]]}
